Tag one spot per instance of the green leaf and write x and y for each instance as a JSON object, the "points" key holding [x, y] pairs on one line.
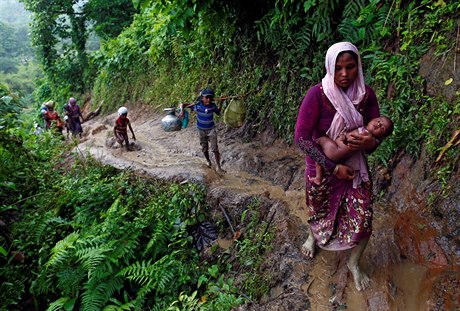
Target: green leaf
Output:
{"points": [[3, 252], [6, 99], [69, 305]]}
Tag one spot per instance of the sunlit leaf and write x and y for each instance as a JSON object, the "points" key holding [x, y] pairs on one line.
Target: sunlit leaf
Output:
{"points": [[448, 81]]}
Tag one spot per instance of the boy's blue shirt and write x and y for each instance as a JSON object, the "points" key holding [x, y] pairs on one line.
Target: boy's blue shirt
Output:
{"points": [[205, 115]]}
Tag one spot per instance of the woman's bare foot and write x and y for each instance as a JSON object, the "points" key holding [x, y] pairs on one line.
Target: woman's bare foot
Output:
{"points": [[360, 278], [308, 248]]}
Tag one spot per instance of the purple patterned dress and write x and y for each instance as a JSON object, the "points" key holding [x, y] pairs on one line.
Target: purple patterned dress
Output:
{"points": [[74, 114], [339, 215]]}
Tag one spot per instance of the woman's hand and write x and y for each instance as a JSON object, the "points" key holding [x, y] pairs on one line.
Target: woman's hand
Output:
{"points": [[344, 172], [363, 141]]}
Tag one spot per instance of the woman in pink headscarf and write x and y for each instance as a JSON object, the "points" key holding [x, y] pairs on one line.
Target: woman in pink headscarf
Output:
{"points": [[340, 212], [73, 112]]}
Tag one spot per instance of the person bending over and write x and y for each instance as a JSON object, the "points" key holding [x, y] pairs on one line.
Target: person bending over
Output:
{"points": [[120, 130]]}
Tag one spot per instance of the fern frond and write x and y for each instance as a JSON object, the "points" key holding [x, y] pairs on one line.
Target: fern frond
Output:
{"points": [[158, 240], [159, 276], [59, 253], [138, 272], [61, 303], [48, 220], [353, 8], [303, 39], [69, 279], [98, 292], [91, 257], [125, 247]]}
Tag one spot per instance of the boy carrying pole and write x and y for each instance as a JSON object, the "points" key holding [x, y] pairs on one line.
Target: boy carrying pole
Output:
{"points": [[205, 109]]}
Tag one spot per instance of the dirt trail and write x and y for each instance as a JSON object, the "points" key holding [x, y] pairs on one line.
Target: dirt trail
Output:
{"points": [[274, 170]]}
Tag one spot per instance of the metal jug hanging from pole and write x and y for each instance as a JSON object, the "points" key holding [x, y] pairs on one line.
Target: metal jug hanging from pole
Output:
{"points": [[171, 122]]}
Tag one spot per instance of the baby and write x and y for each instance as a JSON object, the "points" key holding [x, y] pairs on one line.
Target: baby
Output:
{"points": [[338, 150]]}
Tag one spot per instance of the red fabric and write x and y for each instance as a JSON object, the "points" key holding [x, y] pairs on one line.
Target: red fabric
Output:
{"points": [[121, 125]]}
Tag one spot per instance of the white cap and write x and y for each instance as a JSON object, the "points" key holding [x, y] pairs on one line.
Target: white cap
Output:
{"points": [[122, 110]]}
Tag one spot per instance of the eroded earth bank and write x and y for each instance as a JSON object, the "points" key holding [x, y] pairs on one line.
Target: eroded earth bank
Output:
{"points": [[413, 256]]}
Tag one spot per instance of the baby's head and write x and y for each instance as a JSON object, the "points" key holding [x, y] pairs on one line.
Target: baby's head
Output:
{"points": [[380, 127]]}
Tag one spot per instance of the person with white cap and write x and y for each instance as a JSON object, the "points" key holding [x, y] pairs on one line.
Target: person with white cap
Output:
{"points": [[120, 130]]}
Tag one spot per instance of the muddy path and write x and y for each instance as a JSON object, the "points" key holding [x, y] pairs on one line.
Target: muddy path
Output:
{"points": [[273, 170]]}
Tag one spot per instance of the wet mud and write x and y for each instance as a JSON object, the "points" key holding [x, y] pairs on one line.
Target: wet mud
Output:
{"points": [[409, 267]]}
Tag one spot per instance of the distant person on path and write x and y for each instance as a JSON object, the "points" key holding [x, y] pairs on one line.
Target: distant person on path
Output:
{"points": [[52, 118], [339, 150], [205, 109], [43, 110], [120, 130], [340, 211], [73, 112]]}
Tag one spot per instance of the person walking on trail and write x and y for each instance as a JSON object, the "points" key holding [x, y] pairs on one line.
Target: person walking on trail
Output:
{"points": [[120, 130], [205, 109], [52, 118], [340, 208], [43, 110], [73, 112]]}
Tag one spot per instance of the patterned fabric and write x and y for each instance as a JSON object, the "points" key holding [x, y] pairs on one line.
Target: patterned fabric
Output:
{"points": [[52, 119], [73, 123], [339, 215], [205, 115], [73, 111]]}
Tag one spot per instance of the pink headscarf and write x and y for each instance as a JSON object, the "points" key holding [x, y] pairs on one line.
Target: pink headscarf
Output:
{"points": [[347, 117]]}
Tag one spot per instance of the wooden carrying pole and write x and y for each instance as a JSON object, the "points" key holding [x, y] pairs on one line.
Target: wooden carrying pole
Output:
{"points": [[221, 98]]}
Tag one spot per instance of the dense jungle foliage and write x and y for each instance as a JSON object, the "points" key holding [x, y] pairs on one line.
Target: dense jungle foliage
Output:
{"points": [[270, 52], [76, 235], [18, 68]]}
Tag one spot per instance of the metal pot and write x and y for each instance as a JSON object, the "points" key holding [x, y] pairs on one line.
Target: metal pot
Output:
{"points": [[171, 122]]}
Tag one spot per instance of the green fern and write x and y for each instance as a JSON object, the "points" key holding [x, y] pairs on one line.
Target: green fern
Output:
{"points": [[70, 278], [63, 303], [60, 252], [97, 292], [158, 240], [353, 8]]}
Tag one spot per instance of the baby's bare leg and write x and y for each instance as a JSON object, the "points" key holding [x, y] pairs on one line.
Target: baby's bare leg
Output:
{"points": [[334, 150]]}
